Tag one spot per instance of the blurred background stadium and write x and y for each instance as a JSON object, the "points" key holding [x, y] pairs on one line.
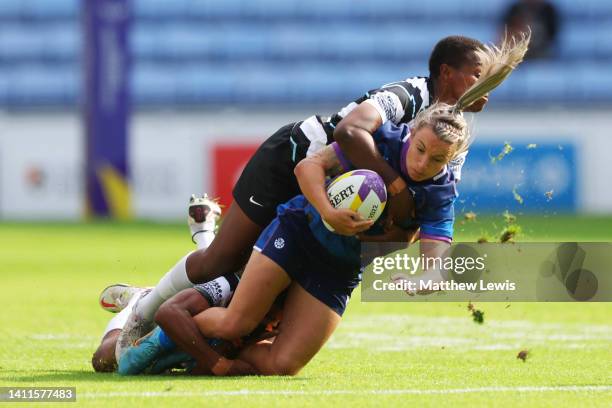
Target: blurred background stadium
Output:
{"points": [[201, 83]]}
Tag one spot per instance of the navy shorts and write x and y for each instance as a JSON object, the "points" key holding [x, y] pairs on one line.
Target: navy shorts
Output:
{"points": [[289, 242]]}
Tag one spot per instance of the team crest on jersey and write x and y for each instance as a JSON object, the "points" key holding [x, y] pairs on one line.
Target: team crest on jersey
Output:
{"points": [[279, 243]]}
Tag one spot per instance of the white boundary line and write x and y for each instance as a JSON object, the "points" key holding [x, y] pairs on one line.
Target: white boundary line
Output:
{"points": [[238, 393]]}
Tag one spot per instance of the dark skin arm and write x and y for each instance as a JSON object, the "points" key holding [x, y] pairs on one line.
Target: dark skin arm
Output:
{"points": [[175, 317], [354, 135]]}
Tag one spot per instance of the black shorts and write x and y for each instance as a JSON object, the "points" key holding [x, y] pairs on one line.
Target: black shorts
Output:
{"points": [[268, 179]]}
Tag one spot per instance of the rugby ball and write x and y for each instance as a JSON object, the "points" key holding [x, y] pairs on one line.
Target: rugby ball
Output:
{"points": [[363, 191]]}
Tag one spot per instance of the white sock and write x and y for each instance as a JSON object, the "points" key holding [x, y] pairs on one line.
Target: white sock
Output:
{"points": [[172, 283], [204, 239], [118, 321]]}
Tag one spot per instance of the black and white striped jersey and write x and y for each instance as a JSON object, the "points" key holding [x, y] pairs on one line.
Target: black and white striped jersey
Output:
{"points": [[398, 102]]}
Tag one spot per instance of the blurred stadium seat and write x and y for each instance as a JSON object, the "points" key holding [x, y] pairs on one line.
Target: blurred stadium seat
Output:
{"points": [[287, 51], [36, 41]]}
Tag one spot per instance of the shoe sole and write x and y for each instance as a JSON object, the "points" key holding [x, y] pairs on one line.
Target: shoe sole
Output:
{"points": [[111, 307]]}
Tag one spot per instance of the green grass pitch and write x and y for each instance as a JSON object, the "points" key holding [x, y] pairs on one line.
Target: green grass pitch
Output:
{"points": [[383, 354]]}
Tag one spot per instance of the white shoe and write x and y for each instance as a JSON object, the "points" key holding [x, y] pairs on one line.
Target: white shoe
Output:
{"points": [[115, 298], [203, 214]]}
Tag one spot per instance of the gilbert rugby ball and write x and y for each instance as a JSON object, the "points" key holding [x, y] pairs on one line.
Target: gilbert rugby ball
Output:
{"points": [[363, 191]]}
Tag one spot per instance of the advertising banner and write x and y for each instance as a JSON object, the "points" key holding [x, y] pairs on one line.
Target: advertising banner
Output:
{"points": [[228, 163], [106, 106], [534, 177]]}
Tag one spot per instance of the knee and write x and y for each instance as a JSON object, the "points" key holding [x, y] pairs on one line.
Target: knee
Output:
{"points": [[217, 260], [286, 365], [233, 327], [205, 265]]}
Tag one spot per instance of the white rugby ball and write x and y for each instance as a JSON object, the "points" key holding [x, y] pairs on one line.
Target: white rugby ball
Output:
{"points": [[363, 191]]}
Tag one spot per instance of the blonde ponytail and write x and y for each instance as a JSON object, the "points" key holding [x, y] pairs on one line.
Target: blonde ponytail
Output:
{"points": [[447, 121], [497, 64]]}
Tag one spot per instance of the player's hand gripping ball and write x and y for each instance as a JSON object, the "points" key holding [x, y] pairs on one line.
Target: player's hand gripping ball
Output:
{"points": [[363, 191]]}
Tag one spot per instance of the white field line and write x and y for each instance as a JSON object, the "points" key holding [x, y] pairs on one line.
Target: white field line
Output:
{"points": [[61, 337], [387, 320], [239, 393], [396, 332]]}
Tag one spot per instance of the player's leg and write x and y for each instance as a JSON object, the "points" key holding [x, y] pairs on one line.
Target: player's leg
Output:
{"points": [[320, 289], [104, 359], [229, 251], [266, 181], [203, 214], [307, 324], [263, 280]]}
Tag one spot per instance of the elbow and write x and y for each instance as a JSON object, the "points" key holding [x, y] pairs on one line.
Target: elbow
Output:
{"points": [[300, 168], [344, 132]]}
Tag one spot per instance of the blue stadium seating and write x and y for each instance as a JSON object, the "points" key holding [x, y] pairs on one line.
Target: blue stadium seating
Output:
{"points": [[54, 41], [590, 41], [593, 82], [39, 9], [315, 9], [292, 41], [35, 85], [544, 83], [289, 51], [585, 9]]}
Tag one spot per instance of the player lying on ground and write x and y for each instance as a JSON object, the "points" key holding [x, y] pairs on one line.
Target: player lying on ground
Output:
{"points": [[178, 311], [268, 179], [176, 316], [203, 215], [318, 268]]}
